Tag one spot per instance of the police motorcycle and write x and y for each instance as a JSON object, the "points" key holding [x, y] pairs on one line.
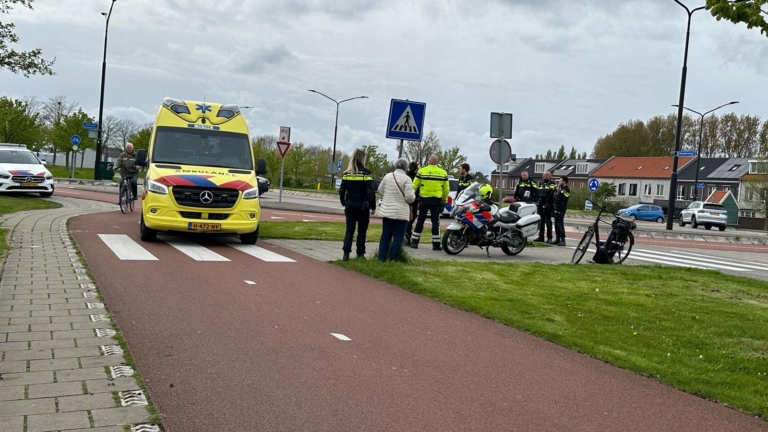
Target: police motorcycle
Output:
{"points": [[480, 222]]}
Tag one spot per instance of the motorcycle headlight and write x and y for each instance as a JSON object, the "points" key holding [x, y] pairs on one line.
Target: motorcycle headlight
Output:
{"points": [[251, 193], [156, 187]]}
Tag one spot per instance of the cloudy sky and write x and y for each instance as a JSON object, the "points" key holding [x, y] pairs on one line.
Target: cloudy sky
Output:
{"points": [[569, 71]]}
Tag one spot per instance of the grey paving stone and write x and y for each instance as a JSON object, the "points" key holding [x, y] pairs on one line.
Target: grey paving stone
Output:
{"points": [[110, 385], [86, 402], [29, 336], [30, 320], [54, 390], [13, 367], [73, 334], [71, 319], [5, 314], [13, 346], [26, 407], [49, 301], [14, 328], [50, 313], [77, 352], [68, 306], [63, 343], [53, 364], [96, 342], [102, 361], [120, 416], [24, 378], [12, 393], [12, 424], [81, 374], [91, 325], [100, 429], [52, 327], [28, 355], [54, 422], [22, 308]]}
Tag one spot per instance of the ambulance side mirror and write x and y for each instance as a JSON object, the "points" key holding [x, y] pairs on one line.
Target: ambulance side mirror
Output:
{"points": [[141, 158]]}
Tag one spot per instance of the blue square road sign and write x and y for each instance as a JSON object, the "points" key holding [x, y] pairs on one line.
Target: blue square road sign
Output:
{"points": [[406, 120]]}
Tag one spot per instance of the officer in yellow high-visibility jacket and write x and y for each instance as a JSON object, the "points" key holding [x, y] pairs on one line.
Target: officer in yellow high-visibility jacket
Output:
{"points": [[431, 185]]}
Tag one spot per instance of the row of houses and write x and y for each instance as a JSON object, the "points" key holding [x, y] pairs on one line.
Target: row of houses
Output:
{"points": [[646, 180]]}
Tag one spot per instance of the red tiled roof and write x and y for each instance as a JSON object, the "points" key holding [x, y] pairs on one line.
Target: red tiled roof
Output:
{"points": [[640, 167], [717, 196]]}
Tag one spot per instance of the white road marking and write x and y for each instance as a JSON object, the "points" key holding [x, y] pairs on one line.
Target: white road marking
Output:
{"points": [[308, 220], [250, 282], [191, 249], [277, 217], [260, 253], [340, 336], [125, 248], [672, 258], [747, 264]]}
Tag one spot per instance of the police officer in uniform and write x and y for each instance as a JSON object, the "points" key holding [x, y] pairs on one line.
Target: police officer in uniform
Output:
{"points": [[358, 197], [546, 194], [431, 184], [562, 193], [465, 178], [526, 189]]}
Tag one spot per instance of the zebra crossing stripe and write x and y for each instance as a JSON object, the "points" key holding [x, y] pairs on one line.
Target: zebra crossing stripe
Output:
{"points": [[260, 253], [191, 249], [125, 248], [668, 257]]}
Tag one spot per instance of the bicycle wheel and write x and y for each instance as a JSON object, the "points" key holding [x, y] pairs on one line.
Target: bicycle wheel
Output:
{"points": [[130, 200], [124, 200], [581, 249], [623, 254]]}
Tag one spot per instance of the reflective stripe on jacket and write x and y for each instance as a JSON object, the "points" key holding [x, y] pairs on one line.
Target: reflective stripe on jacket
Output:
{"points": [[432, 182], [546, 192], [357, 188]]}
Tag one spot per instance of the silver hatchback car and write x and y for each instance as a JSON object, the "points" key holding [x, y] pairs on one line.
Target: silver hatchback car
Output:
{"points": [[704, 213]]}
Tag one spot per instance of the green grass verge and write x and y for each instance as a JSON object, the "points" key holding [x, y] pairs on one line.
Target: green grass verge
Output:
{"points": [[702, 332], [321, 191], [11, 204], [59, 171]]}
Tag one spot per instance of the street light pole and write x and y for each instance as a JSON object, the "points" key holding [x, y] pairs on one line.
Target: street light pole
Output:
{"points": [[97, 170], [336, 126], [701, 135]]}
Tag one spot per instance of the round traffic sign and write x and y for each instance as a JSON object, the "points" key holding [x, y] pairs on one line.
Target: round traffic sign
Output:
{"points": [[593, 184], [75, 147], [500, 151], [75, 140]]}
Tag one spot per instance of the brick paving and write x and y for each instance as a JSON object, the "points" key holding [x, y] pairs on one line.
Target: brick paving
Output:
{"points": [[55, 355]]}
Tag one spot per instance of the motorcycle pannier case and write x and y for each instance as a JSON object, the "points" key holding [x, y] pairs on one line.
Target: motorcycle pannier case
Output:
{"points": [[529, 225]]}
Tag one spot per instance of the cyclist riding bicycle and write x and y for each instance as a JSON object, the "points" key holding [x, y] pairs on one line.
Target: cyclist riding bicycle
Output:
{"points": [[126, 165]]}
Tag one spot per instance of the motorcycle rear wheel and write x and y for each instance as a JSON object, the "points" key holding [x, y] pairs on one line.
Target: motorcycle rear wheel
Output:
{"points": [[515, 250], [454, 242]]}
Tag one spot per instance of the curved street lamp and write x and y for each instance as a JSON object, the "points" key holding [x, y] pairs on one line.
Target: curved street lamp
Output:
{"points": [[97, 170], [336, 127], [701, 134], [678, 129]]}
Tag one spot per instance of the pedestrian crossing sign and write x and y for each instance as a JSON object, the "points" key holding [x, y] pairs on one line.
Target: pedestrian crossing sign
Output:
{"points": [[406, 120]]}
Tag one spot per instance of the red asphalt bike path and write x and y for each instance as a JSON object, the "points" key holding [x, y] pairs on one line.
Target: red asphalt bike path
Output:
{"points": [[270, 215], [218, 354]]}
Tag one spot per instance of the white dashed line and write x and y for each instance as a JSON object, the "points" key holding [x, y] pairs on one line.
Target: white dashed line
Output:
{"points": [[340, 336], [250, 282]]}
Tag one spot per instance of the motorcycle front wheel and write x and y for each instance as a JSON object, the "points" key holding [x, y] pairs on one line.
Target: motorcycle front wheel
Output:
{"points": [[454, 241]]}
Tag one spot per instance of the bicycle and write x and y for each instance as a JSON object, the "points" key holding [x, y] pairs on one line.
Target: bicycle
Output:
{"points": [[619, 237], [126, 199]]}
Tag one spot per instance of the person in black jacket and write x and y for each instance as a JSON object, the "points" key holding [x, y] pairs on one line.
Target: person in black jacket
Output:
{"points": [[358, 197], [526, 189], [413, 168], [546, 193], [562, 193], [465, 178]]}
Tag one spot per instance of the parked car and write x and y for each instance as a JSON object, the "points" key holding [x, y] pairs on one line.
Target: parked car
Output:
{"points": [[263, 184], [22, 171], [645, 212], [704, 213]]}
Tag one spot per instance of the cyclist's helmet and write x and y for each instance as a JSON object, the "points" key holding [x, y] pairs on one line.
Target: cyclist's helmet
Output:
{"points": [[486, 192]]}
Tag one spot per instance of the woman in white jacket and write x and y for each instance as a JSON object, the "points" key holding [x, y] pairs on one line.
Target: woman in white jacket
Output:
{"points": [[396, 190]]}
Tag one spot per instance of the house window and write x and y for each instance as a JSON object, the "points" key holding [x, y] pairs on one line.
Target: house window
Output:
{"points": [[747, 213], [622, 189], [694, 192], [660, 190], [633, 189], [711, 190], [582, 185], [681, 192], [725, 188], [758, 167], [538, 168], [582, 168], [647, 190]]}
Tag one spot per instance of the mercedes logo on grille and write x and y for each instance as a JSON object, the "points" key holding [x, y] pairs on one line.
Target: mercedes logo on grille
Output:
{"points": [[206, 197], [28, 180]]}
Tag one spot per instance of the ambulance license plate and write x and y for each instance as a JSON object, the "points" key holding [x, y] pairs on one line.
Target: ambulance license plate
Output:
{"points": [[197, 226]]}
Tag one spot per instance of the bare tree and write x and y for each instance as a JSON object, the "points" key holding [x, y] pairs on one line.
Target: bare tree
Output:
{"points": [[421, 151], [123, 132], [109, 132], [53, 111]]}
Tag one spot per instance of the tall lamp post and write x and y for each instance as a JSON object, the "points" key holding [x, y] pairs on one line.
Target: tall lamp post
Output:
{"points": [[673, 183], [97, 170], [701, 134], [336, 127]]}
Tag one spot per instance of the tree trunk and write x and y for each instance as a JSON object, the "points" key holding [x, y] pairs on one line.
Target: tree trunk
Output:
{"points": [[82, 159], [66, 165], [54, 156]]}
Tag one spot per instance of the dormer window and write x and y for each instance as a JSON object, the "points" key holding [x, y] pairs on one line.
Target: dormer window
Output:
{"points": [[582, 168], [539, 168]]}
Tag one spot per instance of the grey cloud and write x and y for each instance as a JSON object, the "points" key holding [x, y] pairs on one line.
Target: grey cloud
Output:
{"points": [[259, 59]]}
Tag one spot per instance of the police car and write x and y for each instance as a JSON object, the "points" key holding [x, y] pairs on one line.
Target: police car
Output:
{"points": [[453, 184], [22, 171]]}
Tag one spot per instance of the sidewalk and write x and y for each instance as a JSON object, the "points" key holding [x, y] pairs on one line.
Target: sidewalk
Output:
{"points": [[60, 367]]}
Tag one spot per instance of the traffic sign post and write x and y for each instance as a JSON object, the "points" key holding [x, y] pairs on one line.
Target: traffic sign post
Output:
{"points": [[500, 152], [75, 140], [406, 120], [700, 185], [90, 126], [501, 125], [593, 184], [282, 146], [685, 153]]}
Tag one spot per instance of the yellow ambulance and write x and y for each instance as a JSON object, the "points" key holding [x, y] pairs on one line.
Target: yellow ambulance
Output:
{"points": [[200, 173]]}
